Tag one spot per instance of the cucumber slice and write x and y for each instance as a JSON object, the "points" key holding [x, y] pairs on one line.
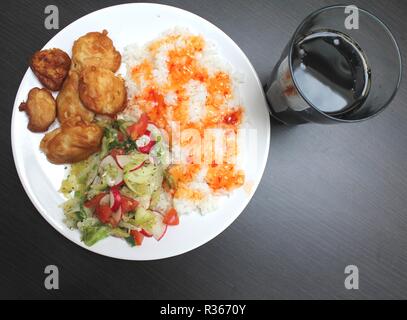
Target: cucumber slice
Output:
{"points": [[119, 233], [145, 219], [144, 180], [160, 201]]}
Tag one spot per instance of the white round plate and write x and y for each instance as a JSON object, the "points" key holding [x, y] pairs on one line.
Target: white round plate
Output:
{"points": [[140, 23]]}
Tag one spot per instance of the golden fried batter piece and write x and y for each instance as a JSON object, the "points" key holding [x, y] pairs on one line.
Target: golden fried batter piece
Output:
{"points": [[68, 103], [51, 67], [102, 91], [74, 141], [95, 49], [40, 108]]}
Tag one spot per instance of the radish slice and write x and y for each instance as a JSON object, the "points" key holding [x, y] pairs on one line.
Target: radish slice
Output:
{"points": [[120, 184], [145, 142], [138, 166], [116, 217], [105, 200], [110, 170], [115, 199], [144, 139], [115, 180], [160, 228], [108, 160], [146, 233], [123, 160], [154, 131], [146, 149]]}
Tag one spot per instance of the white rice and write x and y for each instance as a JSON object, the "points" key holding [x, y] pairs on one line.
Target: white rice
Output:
{"points": [[207, 204], [135, 54], [171, 98], [160, 71], [197, 94]]}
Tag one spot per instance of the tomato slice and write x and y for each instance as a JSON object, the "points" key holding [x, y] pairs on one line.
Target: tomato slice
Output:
{"points": [[233, 118], [171, 217], [139, 128], [128, 204], [137, 236], [94, 202], [104, 213], [146, 233]]}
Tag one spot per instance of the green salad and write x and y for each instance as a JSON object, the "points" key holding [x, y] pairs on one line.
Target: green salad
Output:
{"points": [[119, 190]]}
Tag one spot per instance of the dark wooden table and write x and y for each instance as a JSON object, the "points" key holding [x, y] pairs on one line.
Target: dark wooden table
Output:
{"points": [[331, 196]]}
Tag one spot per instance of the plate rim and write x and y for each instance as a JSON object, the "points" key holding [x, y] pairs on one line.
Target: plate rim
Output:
{"points": [[61, 231]]}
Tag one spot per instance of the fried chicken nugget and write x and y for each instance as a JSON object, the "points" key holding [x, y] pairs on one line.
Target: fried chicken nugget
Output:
{"points": [[51, 67], [68, 103], [95, 49], [101, 91], [40, 108], [74, 141]]}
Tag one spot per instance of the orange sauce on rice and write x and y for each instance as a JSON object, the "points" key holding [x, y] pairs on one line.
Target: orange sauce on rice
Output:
{"points": [[183, 66]]}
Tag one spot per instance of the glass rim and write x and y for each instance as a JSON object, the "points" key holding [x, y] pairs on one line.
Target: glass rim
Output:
{"points": [[385, 27]]}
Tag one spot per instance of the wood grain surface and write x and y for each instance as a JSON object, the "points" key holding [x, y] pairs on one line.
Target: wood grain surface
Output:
{"points": [[331, 196]]}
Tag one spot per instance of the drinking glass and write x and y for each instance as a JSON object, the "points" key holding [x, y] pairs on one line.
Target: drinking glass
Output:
{"points": [[337, 68]]}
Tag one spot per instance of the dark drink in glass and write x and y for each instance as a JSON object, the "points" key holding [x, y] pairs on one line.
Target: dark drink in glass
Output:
{"points": [[324, 75]]}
